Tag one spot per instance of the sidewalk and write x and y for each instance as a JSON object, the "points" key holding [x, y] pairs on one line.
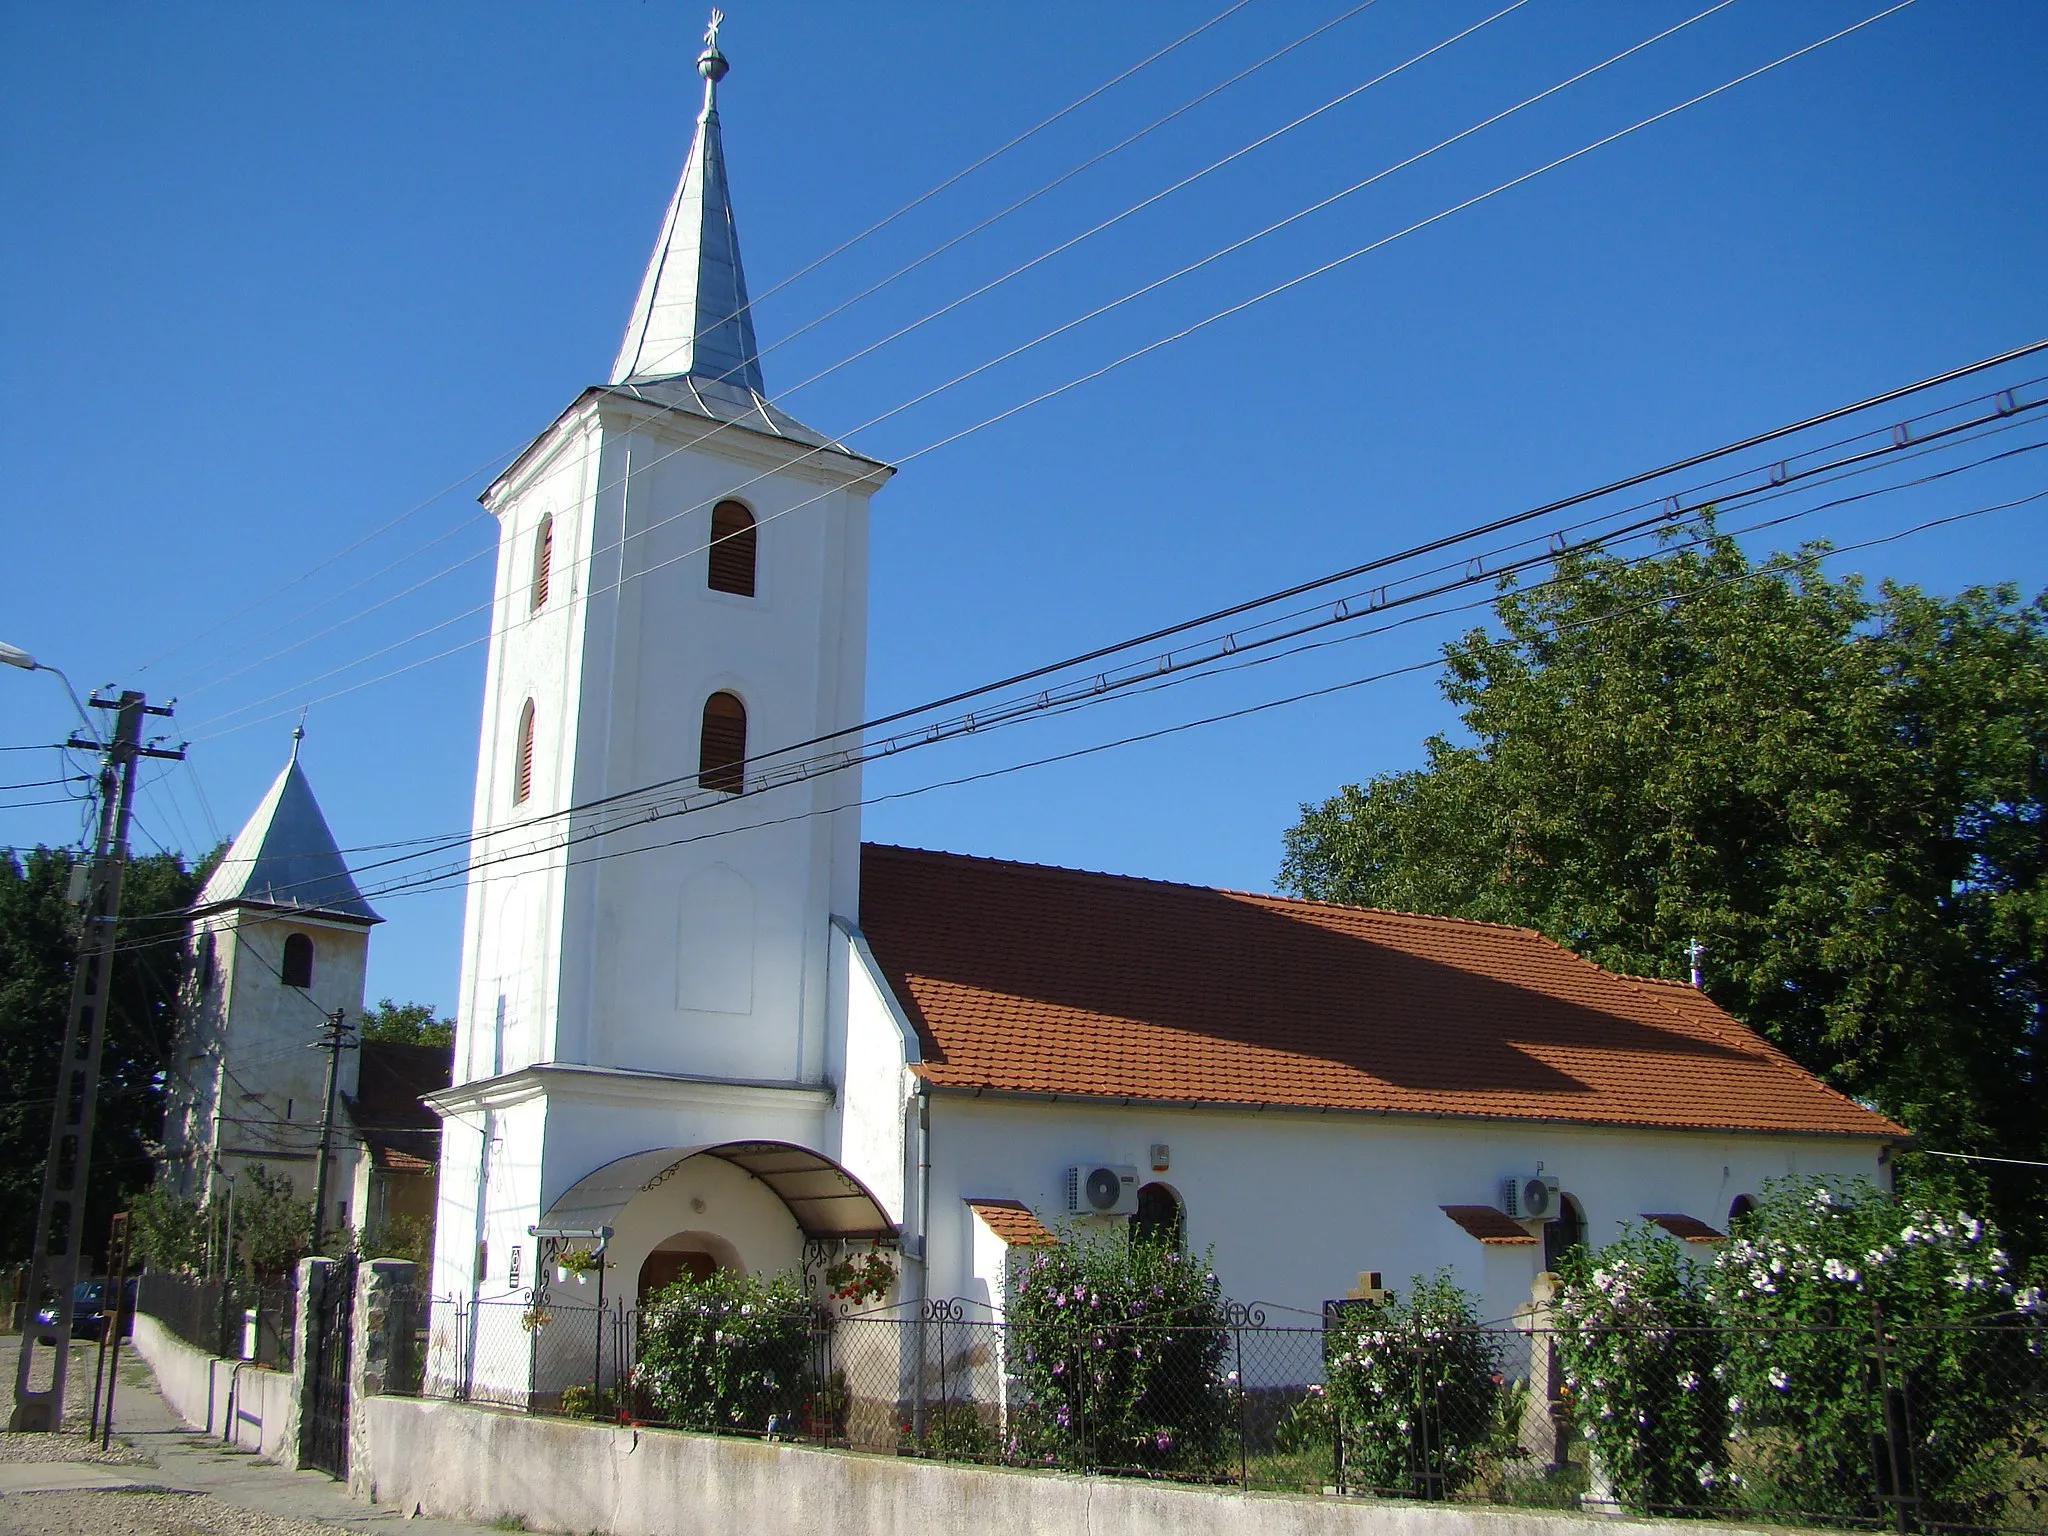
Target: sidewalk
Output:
{"points": [[172, 1481]]}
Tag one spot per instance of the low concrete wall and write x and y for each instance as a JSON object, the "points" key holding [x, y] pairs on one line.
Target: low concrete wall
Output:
{"points": [[453, 1461], [252, 1407]]}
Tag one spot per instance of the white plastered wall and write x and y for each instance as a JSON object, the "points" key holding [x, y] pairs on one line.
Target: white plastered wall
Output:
{"points": [[1296, 1205], [245, 1090], [869, 1069]]}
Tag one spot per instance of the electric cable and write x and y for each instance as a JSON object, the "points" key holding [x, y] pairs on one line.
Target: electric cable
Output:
{"points": [[1065, 176], [1913, 434], [467, 870], [803, 271], [1259, 707], [585, 562], [724, 426]]}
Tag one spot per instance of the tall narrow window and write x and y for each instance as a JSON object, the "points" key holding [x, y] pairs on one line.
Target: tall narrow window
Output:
{"points": [[543, 562], [522, 760], [298, 960], [722, 755], [732, 549]]}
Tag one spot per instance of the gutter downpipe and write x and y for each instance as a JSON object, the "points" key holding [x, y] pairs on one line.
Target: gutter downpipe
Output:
{"points": [[924, 1244]]}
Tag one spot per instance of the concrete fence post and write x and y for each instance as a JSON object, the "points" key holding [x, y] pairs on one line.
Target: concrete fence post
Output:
{"points": [[377, 1349], [312, 1285]]}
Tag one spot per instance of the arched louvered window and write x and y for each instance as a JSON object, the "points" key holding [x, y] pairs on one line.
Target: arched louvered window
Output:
{"points": [[1160, 1219], [522, 757], [297, 970], [722, 753], [543, 563], [1563, 1233], [733, 539]]}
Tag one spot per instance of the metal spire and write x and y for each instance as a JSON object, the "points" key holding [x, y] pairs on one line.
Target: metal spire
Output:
{"points": [[692, 316]]}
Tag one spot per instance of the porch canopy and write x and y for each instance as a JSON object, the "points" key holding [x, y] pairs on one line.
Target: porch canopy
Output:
{"points": [[828, 1203]]}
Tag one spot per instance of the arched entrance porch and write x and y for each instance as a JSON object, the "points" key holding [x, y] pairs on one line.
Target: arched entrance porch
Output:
{"points": [[758, 1207], [754, 1206]]}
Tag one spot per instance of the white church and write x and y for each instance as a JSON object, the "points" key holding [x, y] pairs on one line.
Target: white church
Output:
{"points": [[740, 1038]]}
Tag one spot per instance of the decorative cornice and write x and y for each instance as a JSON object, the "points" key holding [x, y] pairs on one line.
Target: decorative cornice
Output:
{"points": [[619, 1085]]}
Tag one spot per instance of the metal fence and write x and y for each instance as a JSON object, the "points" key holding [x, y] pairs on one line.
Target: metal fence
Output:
{"points": [[216, 1315], [1886, 1427]]}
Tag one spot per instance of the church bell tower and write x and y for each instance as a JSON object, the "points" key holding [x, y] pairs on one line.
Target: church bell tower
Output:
{"points": [[680, 620]]}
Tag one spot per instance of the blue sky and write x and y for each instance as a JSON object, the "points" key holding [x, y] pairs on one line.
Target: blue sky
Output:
{"points": [[276, 276]]}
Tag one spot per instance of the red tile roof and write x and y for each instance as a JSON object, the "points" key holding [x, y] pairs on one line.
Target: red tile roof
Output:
{"points": [[1014, 1222], [1489, 1225], [1691, 1228], [1027, 979]]}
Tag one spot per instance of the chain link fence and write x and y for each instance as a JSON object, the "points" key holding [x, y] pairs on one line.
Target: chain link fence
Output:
{"points": [[217, 1315], [1884, 1426]]}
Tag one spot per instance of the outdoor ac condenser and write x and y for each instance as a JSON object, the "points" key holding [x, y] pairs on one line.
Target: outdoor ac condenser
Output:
{"points": [[1102, 1189], [1531, 1198]]}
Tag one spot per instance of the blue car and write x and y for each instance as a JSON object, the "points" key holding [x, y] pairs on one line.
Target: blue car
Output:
{"points": [[89, 1299]]}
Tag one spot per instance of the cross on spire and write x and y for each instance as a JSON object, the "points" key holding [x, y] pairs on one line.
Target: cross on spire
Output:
{"points": [[693, 317]]}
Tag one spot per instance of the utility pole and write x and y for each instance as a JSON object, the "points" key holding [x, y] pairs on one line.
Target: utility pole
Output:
{"points": [[335, 1042], [60, 1215]]}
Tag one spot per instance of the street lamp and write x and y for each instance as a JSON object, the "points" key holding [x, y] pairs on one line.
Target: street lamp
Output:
{"points": [[15, 656]]}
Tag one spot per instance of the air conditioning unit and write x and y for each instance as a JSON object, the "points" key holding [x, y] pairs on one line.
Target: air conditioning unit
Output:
{"points": [[1102, 1189], [1531, 1198]]}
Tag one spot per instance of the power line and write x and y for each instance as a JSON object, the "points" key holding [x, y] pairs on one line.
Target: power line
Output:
{"points": [[1065, 176], [837, 250], [1431, 664], [725, 426], [590, 592], [1782, 480], [467, 869], [1911, 438]]}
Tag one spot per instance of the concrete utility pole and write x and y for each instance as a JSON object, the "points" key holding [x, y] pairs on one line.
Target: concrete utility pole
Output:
{"points": [[60, 1216], [336, 1041]]}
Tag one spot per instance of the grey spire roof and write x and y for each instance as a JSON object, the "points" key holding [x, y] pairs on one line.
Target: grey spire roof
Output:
{"points": [[692, 316], [285, 857]]}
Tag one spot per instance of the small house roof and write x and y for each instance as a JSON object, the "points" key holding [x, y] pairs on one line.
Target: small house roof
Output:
{"points": [[1014, 1222], [286, 857], [392, 1079], [1060, 983]]}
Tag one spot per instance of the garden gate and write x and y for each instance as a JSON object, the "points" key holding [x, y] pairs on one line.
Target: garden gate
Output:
{"points": [[330, 1341]]}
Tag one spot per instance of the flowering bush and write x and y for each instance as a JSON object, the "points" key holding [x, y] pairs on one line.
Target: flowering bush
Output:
{"points": [[729, 1352], [1634, 1336], [1844, 1304], [861, 1277], [1415, 1389], [1120, 1347]]}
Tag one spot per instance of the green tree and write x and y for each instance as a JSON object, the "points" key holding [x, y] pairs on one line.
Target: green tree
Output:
{"points": [[1840, 795], [38, 939], [273, 1223], [406, 1024]]}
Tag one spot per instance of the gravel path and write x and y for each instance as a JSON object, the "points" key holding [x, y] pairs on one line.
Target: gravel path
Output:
{"points": [[141, 1514], [169, 1480], [73, 1444]]}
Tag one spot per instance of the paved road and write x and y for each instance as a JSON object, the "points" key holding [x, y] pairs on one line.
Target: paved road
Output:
{"points": [[161, 1478]]}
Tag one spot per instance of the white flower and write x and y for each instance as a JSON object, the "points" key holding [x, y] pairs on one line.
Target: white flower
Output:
{"points": [[1690, 1381], [1779, 1380], [1837, 1270]]}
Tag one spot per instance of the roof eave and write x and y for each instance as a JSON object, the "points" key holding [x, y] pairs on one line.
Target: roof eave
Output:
{"points": [[310, 914], [1894, 1136], [492, 493]]}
